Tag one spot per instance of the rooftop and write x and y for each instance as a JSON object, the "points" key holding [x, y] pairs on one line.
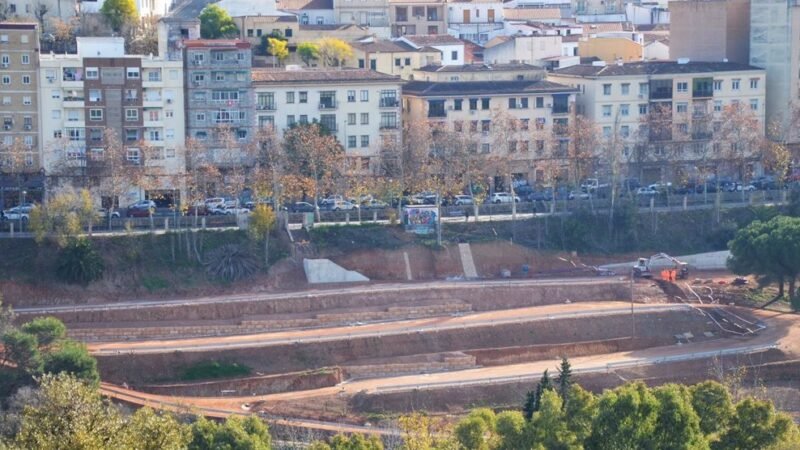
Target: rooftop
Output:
{"points": [[532, 13], [189, 9], [270, 76], [479, 67], [383, 45], [445, 89], [215, 43], [434, 39], [304, 4], [18, 25], [653, 68]]}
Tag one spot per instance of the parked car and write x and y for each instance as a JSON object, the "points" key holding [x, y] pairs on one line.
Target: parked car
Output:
{"points": [[375, 204], [103, 213], [646, 191], [214, 202], [745, 187], [461, 200], [234, 210], [143, 208], [503, 197], [21, 212], [342, 205], [198, 209], [300, 207]]}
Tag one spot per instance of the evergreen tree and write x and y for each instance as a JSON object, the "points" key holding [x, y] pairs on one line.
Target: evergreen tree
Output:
{"points": [[564, 381], [533, 399]]}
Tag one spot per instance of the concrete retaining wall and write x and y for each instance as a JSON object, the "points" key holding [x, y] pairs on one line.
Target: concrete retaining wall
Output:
{"points": [[263, 326], [258, 385], [446, 362]]}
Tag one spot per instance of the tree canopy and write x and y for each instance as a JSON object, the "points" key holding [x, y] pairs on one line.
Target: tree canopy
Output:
{"points": [[119, 13], [216, 23], [308, 52]]}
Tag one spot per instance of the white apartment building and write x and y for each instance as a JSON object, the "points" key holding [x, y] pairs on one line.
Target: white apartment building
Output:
{"points": [[523, 123], [84, 95], [693, 95], [360, 107], [452, 49], [477, 21]]}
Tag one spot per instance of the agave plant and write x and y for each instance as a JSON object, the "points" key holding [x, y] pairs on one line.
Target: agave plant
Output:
{"points": [[79, 263], [231, 262]]}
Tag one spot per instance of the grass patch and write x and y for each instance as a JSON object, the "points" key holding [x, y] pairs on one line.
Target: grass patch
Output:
{"points": [[209, 370], [154, 283]]}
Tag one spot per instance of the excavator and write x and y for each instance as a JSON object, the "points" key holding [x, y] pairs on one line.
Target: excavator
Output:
{"points": [[669, 267]]}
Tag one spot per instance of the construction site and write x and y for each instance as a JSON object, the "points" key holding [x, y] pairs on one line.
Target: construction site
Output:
{"points": [[370, 338]]}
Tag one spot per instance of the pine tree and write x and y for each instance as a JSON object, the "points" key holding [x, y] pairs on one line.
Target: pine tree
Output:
{"points": [[530, 404], [564, 381]]}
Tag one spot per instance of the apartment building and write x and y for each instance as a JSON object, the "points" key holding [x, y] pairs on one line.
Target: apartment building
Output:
{"points": [[522, 123], [19, 113], [624, 100], [453, 50], [360, 107], [479, 72], [775, 46], [220, 113], [372, 13], [318, 12], [710, 30], [393, 57], [534, 49], [417, 17], [477, 21], [102, 109]]}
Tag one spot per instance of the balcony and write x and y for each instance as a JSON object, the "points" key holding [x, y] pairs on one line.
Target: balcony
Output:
{"points": [[701, 135], [73, 102], [702, 93], [389, 103], [266, 107], [560, 109], [388, 126], [326, 105]]}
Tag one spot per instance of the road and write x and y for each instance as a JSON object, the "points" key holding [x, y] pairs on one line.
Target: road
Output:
{"points": [[489, 318], [778, 334], [361, 289]]}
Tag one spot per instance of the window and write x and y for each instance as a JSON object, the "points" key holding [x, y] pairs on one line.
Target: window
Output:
{"points": [[169, 133], [717, 85], [351, 96], [683, 86], [95, 95], [643, 109], [454, 55], [606, 110], [458, 126], [624, 110], [26, 100], [55, 114], [131, 115], [351, 118], [57, 134], [486, 126], [290, 120], [625, 88], [200, 117], [753, 83], [408, 61], [26, 59], [644, 89], [303, 97], [484, 103], [735, 84], [26, 79], [95, 134], [540, 102], [512, 103], [55, 93], [364, 95], [486, 148], [201, 135], [153, 115], [458, 104], [523, 103], [625, 131], [683, 128], [364, 140], [288, 32], [76, 134], [717, 105], [92, 73], [132, 155], [397, 62], [473, 126], [133, 73], [199, 78], [131, 94], [606, 131], [168, 114], [95, 115], [219, 76], [364, 118], [74, 116], [169, 153], [131, 135], [606, 89], [754, 104], [524, 124], [352, 141], [373, 64], [154, 135], [290, 97], [682, 108], [389, 121], [473, 104]]}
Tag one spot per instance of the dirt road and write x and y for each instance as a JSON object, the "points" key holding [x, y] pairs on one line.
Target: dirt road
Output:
{"points": [[531, 314]]}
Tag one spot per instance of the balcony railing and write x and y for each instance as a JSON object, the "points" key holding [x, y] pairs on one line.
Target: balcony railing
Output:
{"points": [[559, 109], [266, 107], [388, 126], [389, 103], [701, 93], [327, 104]]}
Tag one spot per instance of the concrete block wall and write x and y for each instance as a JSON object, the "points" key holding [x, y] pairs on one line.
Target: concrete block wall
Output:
{"points": [[448, 362]]}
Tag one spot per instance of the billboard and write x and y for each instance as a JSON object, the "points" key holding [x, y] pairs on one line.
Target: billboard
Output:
{"points": [[420, 219]]}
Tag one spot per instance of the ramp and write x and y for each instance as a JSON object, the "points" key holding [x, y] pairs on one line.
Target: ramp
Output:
{"points": [[327, 271], [467, 263]]}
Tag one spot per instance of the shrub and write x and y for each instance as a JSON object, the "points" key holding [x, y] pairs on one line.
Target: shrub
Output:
{"points": [[79, 263], [231, 262], [46, 329], [213, 369]]}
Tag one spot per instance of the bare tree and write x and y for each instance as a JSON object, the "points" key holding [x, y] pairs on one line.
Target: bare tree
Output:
{"points": [[17, 162], [740, 139]]}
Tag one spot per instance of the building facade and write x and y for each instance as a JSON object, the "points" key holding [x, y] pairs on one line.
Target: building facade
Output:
{"points": [[220, 113], [20, 145], [477, 21], [410, 17], [392, 57], [521, 125], [360, 107], [479, 72], [111, 118], [371, 13], [665, 116], [710, 30]]}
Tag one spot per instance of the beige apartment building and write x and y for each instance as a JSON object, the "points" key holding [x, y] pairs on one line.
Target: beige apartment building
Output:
{"points": [[410, 17], [710, 30], [479, 72], [520, 127], [19, 110], [664, 117], [392, 57], [104, 113], [372, 13]]}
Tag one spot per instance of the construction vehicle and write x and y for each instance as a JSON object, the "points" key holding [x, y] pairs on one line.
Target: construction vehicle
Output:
{"points": [[661, 263]]}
